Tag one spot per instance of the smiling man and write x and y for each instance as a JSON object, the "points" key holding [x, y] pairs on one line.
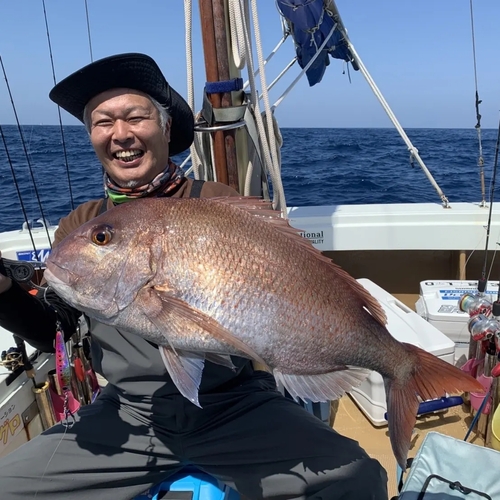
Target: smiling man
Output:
{"points": [[141, 430], [123, 127]]}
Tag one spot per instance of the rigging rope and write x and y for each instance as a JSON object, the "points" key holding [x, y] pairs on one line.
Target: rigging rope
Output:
{"points": [[480, 161], [270, 153], [188, 24], [30, 168], [58, 109], [237, 27]]}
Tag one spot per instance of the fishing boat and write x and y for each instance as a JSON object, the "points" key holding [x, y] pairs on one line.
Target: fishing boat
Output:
{"points": [[415, 258]]}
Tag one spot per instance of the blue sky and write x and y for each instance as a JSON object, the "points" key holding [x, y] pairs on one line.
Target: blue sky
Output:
{"points": [[419, 54]]}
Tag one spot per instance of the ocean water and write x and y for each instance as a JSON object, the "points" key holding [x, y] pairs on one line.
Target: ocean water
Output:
{"points": [[319, 167]]}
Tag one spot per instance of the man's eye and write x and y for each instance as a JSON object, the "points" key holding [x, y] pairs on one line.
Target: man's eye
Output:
{"points": [[136, 119]]}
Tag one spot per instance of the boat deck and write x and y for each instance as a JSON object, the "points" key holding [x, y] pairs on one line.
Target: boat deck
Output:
{"points": [[351, 422]]}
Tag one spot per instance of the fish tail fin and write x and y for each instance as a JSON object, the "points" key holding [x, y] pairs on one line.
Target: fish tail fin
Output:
{"points": [[430, 378]]}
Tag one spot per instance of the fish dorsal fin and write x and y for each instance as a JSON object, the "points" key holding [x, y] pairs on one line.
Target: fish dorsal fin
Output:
{"points": [[263, 209], [253, 204]]}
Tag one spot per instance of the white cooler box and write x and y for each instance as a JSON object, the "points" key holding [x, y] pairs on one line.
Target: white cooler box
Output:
{"points": [[405, 325], [438, 304]]}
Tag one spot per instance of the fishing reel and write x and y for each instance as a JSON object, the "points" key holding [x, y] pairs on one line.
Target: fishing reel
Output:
{"points": [[475, 304], [12, 359], [482, 327], [17, 270], [484, 317]]}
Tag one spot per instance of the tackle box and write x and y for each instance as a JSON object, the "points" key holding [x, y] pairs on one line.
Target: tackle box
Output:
{"points": [[438, 304]]}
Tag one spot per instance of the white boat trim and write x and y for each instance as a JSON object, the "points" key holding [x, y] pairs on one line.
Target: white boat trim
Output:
{"points": [[418, 226]]}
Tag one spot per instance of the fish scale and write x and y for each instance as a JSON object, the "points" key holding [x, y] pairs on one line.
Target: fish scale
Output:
{"points": [[208, 278]]}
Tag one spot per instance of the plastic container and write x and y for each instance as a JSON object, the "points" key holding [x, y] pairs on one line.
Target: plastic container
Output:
{"points": [[476, 398], [438, 304], [405, 325], [193, 484], [495, 429]]}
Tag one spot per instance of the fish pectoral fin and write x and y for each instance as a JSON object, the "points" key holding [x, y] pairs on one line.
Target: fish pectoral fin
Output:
{"points": [[186, 371], [220, 359], [173, 306], [323, 387]]}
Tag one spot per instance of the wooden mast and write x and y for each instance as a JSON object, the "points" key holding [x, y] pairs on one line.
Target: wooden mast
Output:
{"points": [[215, 48]]}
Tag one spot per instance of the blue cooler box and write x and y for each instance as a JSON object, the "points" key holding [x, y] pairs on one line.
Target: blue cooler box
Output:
{"points": [[190, 484]]}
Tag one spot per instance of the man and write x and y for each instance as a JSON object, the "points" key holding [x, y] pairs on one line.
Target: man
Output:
{"points": [[141, 430]]}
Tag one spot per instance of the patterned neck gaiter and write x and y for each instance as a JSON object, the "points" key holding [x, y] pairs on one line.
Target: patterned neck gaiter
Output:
{"points": [[163, 183]]}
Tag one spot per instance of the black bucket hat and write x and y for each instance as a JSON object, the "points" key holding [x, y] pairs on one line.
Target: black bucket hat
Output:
{"points": [[133, 71]]}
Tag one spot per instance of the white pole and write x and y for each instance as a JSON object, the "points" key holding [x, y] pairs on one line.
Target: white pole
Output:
{"points": [[413, 150], [332, 8]]}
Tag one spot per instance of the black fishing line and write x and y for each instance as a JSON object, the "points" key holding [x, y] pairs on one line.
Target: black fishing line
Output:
{"points": [[30, 168], [480, 161], [88, 32], [58, 109], [495, 168], [16, 184], [492, 191]]}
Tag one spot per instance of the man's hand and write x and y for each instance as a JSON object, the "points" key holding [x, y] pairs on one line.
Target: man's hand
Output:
{"points": [[5, 283]]}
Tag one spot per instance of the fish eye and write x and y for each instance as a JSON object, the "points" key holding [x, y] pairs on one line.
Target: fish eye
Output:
{"points": [[101, 235]]}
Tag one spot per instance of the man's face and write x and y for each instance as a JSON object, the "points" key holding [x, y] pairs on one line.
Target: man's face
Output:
{"points": [[126, 134]]}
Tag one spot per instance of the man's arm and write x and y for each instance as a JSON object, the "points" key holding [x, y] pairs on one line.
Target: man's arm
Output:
{"points": [[32, 318], [5, 283]]}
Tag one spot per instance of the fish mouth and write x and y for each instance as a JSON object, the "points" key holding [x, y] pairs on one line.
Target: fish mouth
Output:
{"points": [[58, 283], [58, 276], [61, 281]]}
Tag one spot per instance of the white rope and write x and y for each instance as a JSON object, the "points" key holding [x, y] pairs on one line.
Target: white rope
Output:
{"points": [[188, 14], [269, 139], [237, 29], [248, 179], [269, 151]]}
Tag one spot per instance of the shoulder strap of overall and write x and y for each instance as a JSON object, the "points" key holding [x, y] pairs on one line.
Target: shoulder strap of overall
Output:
{"points": [[196, 188], [103, 207]]}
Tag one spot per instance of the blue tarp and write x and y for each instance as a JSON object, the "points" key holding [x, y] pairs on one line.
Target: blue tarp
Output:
{"points": [[310, 24]]}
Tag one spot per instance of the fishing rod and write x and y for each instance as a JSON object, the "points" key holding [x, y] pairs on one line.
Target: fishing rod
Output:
{"points": [[476, 303], [30, 167], [58, 109], [480, 160], [88, 31], [16, 184], [484, 328]]}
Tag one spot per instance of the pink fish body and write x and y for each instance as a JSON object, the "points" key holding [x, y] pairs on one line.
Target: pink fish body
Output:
{"points": [[209, 278]]}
